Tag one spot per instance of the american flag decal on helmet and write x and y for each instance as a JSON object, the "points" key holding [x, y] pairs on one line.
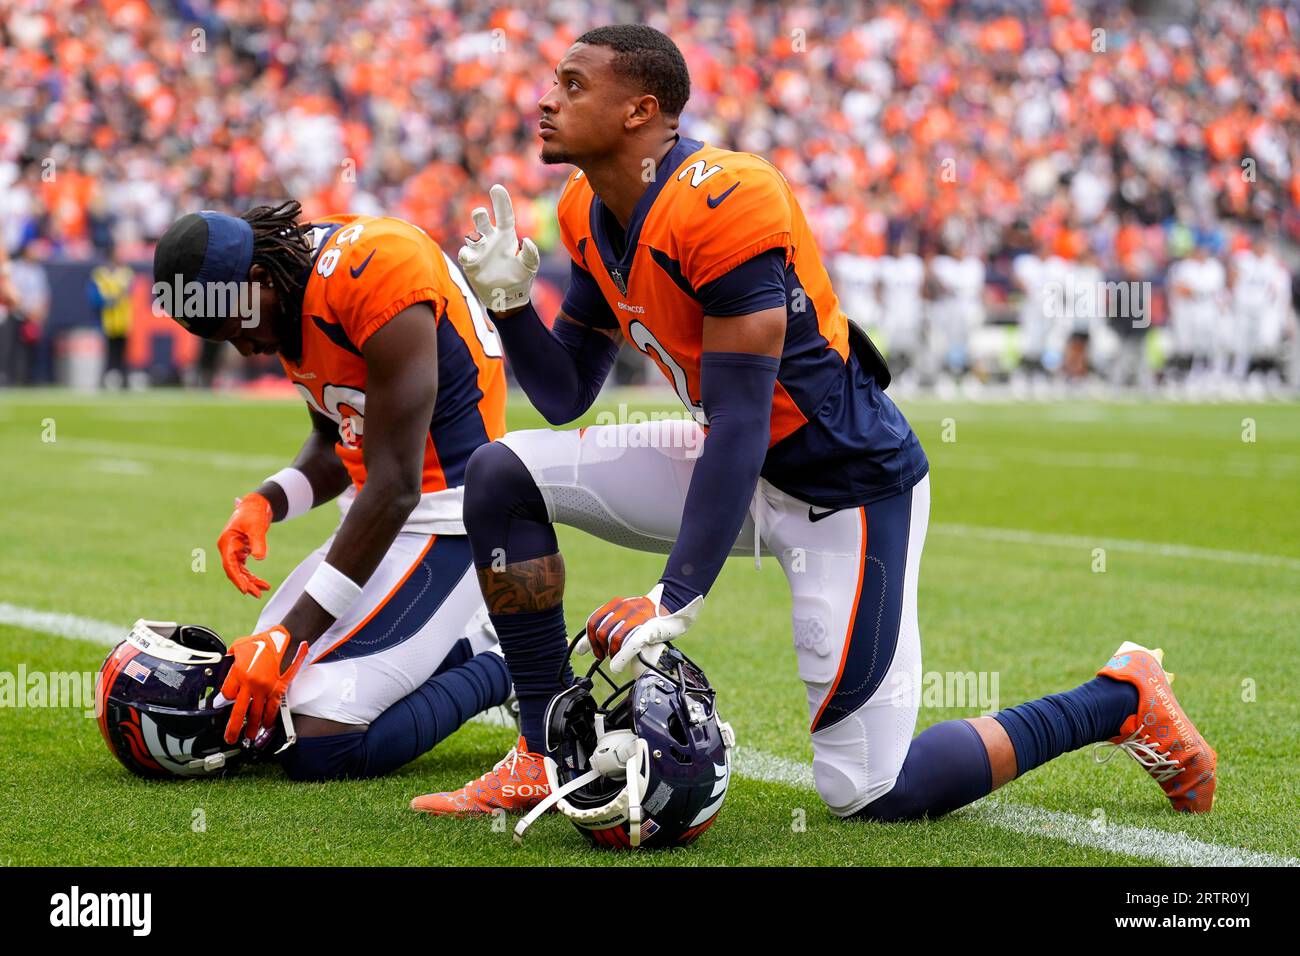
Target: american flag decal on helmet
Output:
{"points": [[137, 670]]}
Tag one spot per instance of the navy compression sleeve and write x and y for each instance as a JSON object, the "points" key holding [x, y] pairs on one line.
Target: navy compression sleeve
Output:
{"points": [[561, 370], [736, 390], [584, 301]]}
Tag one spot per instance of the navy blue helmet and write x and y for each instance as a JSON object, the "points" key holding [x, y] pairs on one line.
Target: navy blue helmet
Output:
{"points": [[647, 766], [155, 698]]}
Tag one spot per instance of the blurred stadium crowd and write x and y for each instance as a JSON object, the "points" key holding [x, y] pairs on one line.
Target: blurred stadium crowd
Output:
{"points": [[987, 180]]}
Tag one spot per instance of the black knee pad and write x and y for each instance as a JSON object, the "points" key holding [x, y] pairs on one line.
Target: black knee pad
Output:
{"points": [[497, 482], [505, 513]]}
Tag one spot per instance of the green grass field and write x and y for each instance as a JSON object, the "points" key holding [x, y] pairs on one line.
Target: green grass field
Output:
{"points": [[1201, 538]]}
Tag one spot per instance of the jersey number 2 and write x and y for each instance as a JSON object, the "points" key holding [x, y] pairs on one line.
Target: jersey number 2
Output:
{"points": [[644, 340]]}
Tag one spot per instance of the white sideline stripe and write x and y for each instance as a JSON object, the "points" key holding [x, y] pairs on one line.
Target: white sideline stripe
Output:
{"points": [[1237, 466], [1156, 548], [1162, 846], [769, 768], [198, 456], [62, 625], [57, 398], [122, 466]]}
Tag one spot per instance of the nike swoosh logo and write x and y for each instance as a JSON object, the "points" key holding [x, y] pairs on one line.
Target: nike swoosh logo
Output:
{"points": [[261, 646], [817, 516], [715, 203], [357, 270]]}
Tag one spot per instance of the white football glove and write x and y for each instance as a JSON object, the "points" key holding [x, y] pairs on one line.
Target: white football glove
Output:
{"points": [[497, 266], [628, 626]]}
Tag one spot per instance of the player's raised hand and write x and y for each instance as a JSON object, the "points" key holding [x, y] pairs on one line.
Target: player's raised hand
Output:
{"points": [[255, 683], [498, 266], [622, 627], [244, 535]]}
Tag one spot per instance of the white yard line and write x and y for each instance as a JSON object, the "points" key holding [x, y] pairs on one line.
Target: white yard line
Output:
{"points": [[56, 398], [122, 466], [1160, 846], [62, 625], [1153, 548], [1238, 465], [141, 450]]}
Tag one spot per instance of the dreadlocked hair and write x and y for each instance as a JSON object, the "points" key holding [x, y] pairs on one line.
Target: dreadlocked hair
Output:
{"points": [[280, 247]]}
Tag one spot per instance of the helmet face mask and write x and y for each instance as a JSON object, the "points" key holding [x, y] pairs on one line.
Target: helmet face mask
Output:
{"points": [[154, 696], [645, 764], [177, 643]]}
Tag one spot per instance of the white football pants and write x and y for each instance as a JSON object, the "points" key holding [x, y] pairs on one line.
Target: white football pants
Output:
{"points": [[852, 575]]}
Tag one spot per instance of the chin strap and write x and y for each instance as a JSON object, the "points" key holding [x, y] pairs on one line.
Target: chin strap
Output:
{"points": [[634, 799], [286, 717], [214, 762], [557, 794], [618, 753]]}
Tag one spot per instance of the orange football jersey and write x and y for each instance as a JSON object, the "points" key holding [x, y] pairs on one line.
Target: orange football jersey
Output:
{"points": [[365, 270], [835, 438], [715, 211]]}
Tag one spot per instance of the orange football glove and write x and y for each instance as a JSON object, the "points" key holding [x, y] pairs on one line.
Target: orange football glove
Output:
{"points": [[622, 627], [254, 681], [614, 620], [245, 534]]}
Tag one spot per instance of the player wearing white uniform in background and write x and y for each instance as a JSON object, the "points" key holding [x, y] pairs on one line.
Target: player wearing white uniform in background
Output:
{"points": [[1281, 318], [1180, 341], [1057, 279], [856, 278], [1261, 300], [1252, 289], [1085, 307], [1029, 272], [902, 282], [958, 306], [1197, 293]]}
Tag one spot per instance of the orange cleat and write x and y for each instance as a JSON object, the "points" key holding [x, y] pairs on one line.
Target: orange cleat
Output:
{"points": [[1160, 736], [516, 784]]}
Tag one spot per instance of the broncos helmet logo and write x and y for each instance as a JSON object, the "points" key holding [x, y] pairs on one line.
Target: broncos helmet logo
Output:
{"points": [[172, 753], [723, 773]]}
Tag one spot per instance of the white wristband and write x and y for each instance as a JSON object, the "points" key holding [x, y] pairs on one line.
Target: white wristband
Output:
{"points": [[297, 491], [332, 589]]}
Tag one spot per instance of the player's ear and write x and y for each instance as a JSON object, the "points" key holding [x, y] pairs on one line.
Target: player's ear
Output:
{"points": [[644, 110], [259, 273]]}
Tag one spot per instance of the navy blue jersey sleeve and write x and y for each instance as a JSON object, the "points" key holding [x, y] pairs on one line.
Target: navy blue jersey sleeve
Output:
{"points": [[561, 370], [754, 285], [585, 302]]}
